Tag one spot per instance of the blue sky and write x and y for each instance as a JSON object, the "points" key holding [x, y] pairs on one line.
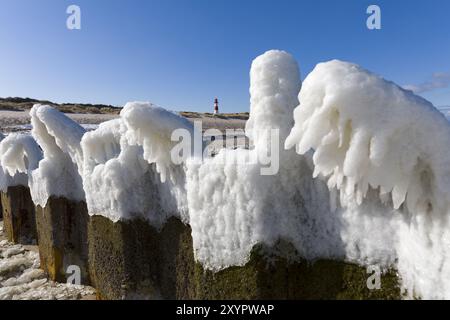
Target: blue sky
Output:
{"points": [[180, 54]]}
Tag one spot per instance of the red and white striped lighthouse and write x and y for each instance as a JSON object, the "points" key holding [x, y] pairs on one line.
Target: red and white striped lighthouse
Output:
{"points": [[216, 106]]}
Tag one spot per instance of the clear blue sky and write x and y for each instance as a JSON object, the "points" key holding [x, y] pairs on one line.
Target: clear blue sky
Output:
{"points": [[180, 54]]}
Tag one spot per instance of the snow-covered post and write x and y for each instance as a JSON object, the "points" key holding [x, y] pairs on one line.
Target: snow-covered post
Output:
{"points": [[385, 151], [135, 196], [57, 192], [258, 230], [19, 153], [234, 209], [121, 249], [168, 140]]}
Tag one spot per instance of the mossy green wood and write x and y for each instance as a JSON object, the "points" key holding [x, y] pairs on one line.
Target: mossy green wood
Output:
{"points": [[134, 260], [62, 234], [18, 215]]}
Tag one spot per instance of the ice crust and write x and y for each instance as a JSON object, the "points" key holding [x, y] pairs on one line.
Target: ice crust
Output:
{"points": [[59, 172], [19, 154], [127, 168]]}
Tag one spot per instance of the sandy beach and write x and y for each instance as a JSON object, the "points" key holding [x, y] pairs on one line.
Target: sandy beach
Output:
{"points": [[21, 278], [13, 121]]}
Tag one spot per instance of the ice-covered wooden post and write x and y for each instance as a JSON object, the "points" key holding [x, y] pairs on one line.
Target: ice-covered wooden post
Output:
{"points": [[19, 154], [135, 230], [232, 202], [385, 151], [122, 248], [256, 224], [62, 234], [57, 191]]}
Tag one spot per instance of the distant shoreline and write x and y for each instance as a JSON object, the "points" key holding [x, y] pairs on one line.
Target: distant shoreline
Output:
{"points": [[14, 115], [25, 104]]}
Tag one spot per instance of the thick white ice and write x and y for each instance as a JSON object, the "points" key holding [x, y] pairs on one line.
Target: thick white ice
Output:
{"points": [[19, 153], [119, 181], [232, 206], [376, 142], [112, 173], [152, 128], [274, 86], [59, 172], [2, 172]]}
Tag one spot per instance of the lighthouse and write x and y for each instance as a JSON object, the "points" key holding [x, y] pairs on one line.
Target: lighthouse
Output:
{"points": [[216, 106]]}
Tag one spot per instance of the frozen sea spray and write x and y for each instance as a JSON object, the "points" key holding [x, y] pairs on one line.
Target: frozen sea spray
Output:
{"points": [[59, 172], [378, 143], [233, 207], [19, 155]]}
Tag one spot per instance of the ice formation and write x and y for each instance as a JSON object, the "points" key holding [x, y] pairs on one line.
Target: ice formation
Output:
{"points": [[59, 172], [122, 159], [274, 86], [376, 142], [19, 154], [3, 177], [2, 172], [152, 127], [114, 173], [232, 206]]}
